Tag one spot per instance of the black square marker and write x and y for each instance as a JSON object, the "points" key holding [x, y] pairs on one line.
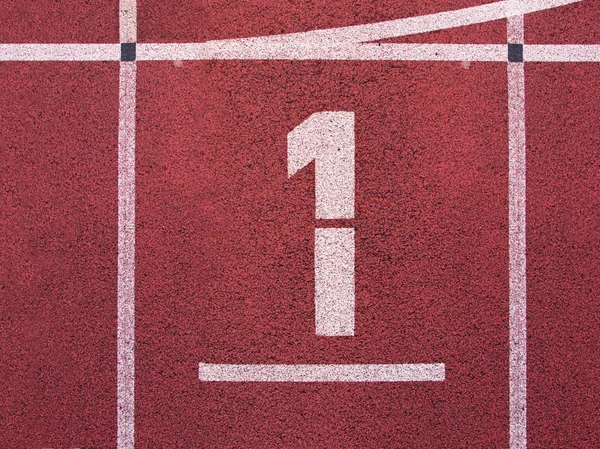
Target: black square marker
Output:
{"points": [[515, 52], [128, 52]]}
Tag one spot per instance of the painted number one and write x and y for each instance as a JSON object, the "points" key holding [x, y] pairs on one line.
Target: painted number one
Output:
{"points": [[328, 139]]}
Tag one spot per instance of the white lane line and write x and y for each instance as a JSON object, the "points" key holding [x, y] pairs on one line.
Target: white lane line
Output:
{"points": [[334, 281], [562, 53], [127, 21], [514, 27], [360, 52], [432, 372], [517, 245], [60, 52], [301, 51], [126, 258], [126, 267]]}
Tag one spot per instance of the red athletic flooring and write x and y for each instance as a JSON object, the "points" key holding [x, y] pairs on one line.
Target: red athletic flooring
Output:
{"points": [[58, 175], [563, 255], [225, 269], [224, 240]]}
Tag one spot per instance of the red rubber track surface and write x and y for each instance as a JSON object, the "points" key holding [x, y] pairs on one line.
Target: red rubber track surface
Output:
{"points": [[225, 240]]}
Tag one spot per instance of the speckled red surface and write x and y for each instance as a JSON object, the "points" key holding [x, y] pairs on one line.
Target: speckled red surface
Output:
{"points": [[563, 255], [224, 261], [578, 23], [58, 240], [59, 21], [177, 21], [224, 247]]}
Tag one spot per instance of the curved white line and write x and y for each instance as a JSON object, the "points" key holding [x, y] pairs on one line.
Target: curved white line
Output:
{"points": [[406, 26]]}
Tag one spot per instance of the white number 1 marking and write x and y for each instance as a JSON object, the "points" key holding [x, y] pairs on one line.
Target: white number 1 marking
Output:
{"points": [[328, 139]]}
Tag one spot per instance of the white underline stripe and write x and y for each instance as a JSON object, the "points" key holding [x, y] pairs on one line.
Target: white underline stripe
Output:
{"points": [[126, 258], [322, 373], [128, 21], [60, 52], [413, 25], [517, 246]]}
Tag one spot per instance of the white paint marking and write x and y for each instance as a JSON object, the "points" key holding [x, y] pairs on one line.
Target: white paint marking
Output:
{"points": [[433, 372], [517, 245], [344, 43], [301, 51], [514, 25], [60, 52], [411, 25], [328, 139], [562, 53], [334, 281], [360, 52], [126, 258], [128, 21]]}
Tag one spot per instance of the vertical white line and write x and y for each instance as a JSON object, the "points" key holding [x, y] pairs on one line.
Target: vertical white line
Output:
{"points": [[515, 33], [127, 21], [334, 281], [515, 30], [517, 242], [126, 258]]}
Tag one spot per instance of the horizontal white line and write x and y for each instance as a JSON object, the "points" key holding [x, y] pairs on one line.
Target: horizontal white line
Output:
{"points": [[412, 25], [295, 51], [417, 372], [60, 52], [561, 53], [357, 52]]}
